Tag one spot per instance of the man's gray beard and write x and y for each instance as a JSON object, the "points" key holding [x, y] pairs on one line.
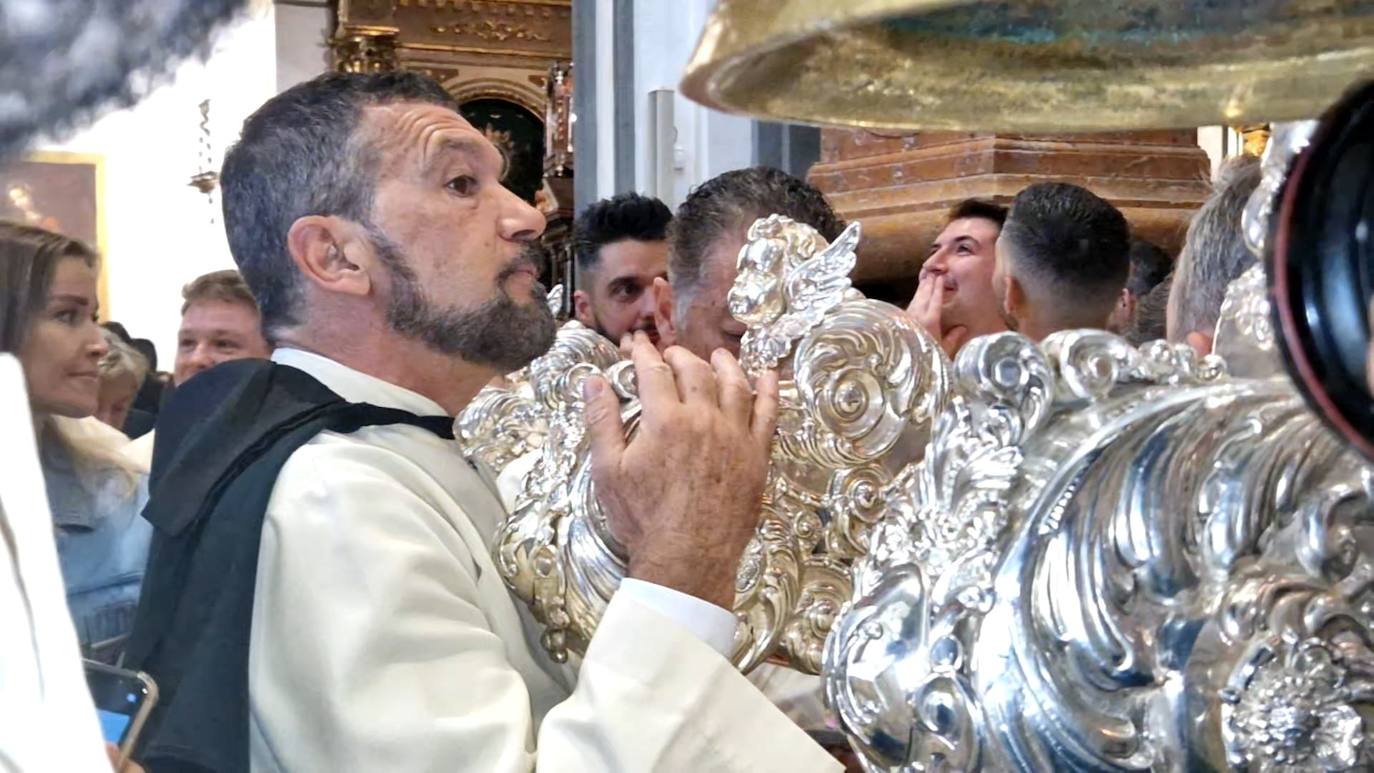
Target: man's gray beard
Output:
{"points": [[500, 333]]}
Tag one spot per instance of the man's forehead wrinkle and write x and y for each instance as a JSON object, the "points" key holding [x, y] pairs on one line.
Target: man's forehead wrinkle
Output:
{"points": [[430, 128]]}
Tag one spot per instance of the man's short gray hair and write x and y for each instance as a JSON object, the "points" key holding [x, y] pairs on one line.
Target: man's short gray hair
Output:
{"points": [[303, 153], [1214, 253]]}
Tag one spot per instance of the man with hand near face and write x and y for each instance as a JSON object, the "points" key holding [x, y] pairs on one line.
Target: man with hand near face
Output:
{"points": [[954, 301], [704, 241], [337, 607], [621, 247]]}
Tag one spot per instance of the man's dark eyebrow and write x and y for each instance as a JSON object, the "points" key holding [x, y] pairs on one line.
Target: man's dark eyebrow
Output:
{"points": [[625, 281]]}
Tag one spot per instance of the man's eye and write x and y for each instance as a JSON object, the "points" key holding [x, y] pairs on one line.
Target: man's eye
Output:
{"points": [[463, 185]]}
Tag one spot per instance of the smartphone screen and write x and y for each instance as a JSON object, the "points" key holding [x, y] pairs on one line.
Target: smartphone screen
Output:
{"points": [[119, 696], [113, 725]]}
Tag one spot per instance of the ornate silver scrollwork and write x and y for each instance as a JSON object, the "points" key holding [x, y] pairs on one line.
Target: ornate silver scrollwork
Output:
{"points": [[1116, 559], [1286, 141], [861, 386]]}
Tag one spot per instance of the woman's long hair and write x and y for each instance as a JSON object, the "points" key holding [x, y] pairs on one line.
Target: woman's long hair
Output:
{"points": [[28, 262], [29, 258]]}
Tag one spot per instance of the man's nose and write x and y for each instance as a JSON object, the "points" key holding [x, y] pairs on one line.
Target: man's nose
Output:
{"points": [[520, 222], [935, 265], [645, 308], [202, 357]]}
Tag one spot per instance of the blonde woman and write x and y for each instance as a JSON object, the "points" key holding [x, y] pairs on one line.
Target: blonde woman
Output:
{"points": [[48, 306], [122, 371]]}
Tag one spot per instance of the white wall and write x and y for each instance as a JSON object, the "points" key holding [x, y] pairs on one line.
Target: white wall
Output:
{"points": [[160, 232], [302, 52], [1221, 143], [710, 142]]}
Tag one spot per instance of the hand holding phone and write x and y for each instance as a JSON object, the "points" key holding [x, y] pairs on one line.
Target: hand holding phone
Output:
{"points": [[123, 700]]}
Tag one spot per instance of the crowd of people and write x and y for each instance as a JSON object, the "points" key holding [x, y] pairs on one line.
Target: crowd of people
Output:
{"points": [[282, 532]]}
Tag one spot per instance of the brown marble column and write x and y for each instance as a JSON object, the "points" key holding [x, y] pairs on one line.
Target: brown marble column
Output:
{"points": [[901, 187]]}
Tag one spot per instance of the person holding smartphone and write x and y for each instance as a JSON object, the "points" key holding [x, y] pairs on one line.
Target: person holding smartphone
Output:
{"points": [[48, 308], [46, 709]]}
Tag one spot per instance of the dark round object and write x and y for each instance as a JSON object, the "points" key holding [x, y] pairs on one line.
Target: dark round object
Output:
{"points": [[1321, 268]]}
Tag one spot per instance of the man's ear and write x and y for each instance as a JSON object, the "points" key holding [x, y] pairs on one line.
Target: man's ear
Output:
{"points": [[663, 313], [1014, 297], [332, 253], [1200, 341], [1119, 321], [582, 308]]}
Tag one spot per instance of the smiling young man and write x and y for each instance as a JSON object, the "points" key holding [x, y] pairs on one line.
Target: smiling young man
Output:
{"points": [[325, 597], [954, 300], [219, 323]]}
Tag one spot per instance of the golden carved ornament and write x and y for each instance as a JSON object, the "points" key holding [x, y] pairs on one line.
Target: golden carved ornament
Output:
{"points": [[1254, 138], [363, 50], [1030, 65]]}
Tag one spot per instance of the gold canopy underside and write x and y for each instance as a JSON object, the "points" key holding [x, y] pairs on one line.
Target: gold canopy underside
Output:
{"points": [[1031, 65]]}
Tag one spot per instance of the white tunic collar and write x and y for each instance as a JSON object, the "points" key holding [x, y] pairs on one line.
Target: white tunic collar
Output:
{"points": [[356, 386]]}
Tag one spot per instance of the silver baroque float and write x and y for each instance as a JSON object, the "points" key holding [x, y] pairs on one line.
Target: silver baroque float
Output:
{"points": [[1119, 560], [1097, 558], [861, 386]]}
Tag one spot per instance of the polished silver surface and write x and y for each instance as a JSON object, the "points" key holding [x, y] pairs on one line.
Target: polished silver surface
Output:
{"points": [[1286, 141], [1116, 559], [861, 386], [1076, 555]]}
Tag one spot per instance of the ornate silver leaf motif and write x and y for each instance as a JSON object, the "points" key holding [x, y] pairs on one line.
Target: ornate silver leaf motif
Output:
{"points": [[868, 384], [1115, 559], [1286, 141], [1245, 328]]}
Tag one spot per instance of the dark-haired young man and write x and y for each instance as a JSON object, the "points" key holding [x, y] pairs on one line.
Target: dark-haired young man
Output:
{"points": [[954, 301], [621, 246], [1150, 265], [1062, 260]]}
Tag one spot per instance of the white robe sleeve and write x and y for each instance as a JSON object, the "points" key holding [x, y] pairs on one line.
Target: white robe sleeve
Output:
{"points": [[372, 649]]}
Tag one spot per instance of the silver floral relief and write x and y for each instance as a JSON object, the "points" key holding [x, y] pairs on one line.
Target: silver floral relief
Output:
{"points": [[1286, 141], [861, 386], [1244, 335], [1114, 559]]}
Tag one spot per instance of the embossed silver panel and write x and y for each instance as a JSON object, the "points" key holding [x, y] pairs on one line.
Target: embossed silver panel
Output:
{"points": [[862, 384], [1116, 559]]}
